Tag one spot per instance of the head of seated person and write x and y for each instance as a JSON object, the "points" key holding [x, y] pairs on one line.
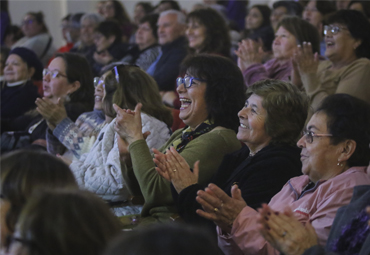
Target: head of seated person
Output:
{"points": [[33, 24], [316, 11], [146, 34], [11, 35], [336, 138], [207, 32], [126, 86], [107, 33], [280, 9], [274, 113], [171, 26], [22, 173], [65, 222], [258, 25], [166, 5], [69, 76], [164, 239], [73, 27], [212, 89], [142, 9], [22, 64], [114, 9], [347, 37], [293, 31], [361, 6], [89, 22]]}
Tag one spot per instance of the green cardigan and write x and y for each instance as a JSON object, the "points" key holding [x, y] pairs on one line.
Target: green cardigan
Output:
{"points": [[142, 178]]}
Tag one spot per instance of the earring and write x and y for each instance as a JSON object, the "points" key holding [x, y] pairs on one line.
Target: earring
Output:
{"points": [[67, 98], [339, 163]]}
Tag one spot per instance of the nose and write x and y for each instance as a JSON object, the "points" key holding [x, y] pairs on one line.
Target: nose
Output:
{"points": [[181, 88], [99, 87], [276, 40], [302, 142], [243, 113], [46, 77]]}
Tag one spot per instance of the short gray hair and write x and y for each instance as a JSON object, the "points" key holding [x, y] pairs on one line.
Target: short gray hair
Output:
{"points": [[181, 18], [94, 17]]}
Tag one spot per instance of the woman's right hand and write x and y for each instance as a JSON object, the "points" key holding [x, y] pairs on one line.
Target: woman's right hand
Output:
{"points": [[306, 60], [173, 167], [249, 53]]}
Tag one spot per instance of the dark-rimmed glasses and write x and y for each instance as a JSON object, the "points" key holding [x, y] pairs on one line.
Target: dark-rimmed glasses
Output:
{"points": [[334, 29], [309, 135], [53, 74], [187, 81]]}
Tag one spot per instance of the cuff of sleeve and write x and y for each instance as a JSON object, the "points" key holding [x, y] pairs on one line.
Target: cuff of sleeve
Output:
{"points": [[62, 128]]}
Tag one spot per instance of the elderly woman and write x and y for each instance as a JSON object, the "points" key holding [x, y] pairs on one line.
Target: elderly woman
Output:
{"points": [[291, 32], [99, 170], [19, 93], [207, 32], [334, 147], [19, 178], [68, 81], [147, 49], [347, 40], [211, 93], [270, 124], [64, 222], [36, 37]]}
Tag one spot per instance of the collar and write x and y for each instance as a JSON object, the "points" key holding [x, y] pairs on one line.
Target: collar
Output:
{"points": [[17, 83]]}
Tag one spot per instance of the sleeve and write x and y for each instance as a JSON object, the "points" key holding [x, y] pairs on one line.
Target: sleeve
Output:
{"points": [[255, 72], [159, 132], [155, 189]]}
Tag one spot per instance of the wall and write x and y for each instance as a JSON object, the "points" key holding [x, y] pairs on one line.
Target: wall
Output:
{"points": [[55, 10]]}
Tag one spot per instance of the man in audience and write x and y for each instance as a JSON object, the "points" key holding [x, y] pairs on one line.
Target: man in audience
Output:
{"points": [[171, 31]]}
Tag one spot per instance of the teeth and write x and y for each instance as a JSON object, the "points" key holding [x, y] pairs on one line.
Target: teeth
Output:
{"points": [[243, 126], [184, 100]]}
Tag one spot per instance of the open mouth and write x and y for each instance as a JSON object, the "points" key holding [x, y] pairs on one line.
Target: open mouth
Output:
{"points": [[329, 44], [243, 126], [98, 98], [185, 103]]}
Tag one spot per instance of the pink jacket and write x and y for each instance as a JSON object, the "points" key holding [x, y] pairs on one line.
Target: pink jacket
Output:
{"points": [[317, 205], [272, 69]]}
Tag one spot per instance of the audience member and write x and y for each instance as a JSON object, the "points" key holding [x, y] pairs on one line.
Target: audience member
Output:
{"points": [[258, 26], [109, 45], [100, 7], [270, 124], [335, 147], [347, 40], [142, 9], [165, 5], [18, 96], [211, 93], [12, 34], [37, 37], [282, 9], [315, 13], [71, 28], [361, 6], [113, 9], [171, 31], [99, 170], [291, 31], [147, 49], [22, 173], [64, 222], [207, 32], [165, 239], [342, 4]]}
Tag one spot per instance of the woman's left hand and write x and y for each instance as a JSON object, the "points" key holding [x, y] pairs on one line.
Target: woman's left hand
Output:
{"points": [[128, 123], [306, 60], [176, 169], [249, 53], [52, 113], [219, 207], [284, 232]]}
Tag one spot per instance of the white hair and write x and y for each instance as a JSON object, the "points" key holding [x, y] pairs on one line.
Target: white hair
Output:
{"points": [[181, 18], [94, 17]]}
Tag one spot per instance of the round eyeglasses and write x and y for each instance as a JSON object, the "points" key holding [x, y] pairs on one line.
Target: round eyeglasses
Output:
{"points": [[187, 81]]}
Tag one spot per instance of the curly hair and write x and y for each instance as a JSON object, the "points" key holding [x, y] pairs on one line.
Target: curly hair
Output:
{"points": [[24, 171], [349, 118], [217, 39], [225, 91], [286, 107]]}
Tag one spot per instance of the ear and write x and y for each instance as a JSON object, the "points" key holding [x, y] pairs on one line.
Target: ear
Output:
{"points": [[31, 72], [357, 43], [74, 87], [348, 148], [111, 39]]}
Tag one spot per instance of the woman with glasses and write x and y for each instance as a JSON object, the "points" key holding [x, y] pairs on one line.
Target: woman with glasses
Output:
{"points": [[22, 173], [270, 123], [99, 170], [335, 153], [346, 71], [67, 84], [211, 93], [37, 37]]}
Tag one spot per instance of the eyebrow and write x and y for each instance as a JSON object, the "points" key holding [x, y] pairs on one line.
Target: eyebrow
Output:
{"points": [[312, 127]]}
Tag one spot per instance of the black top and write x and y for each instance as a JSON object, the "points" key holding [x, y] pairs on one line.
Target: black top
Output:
{"points": [[259, 178], [167, 68]]}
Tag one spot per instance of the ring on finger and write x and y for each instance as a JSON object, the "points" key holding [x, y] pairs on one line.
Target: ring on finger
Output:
{"points": [[215, 209], [174, 170]]}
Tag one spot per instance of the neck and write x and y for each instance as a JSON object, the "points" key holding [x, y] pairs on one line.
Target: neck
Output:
{"points": [[254, 148], [343, 62]]}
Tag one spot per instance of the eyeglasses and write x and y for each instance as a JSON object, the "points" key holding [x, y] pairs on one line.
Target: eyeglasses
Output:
{"points": [[98, 81], [333, 29], [27, 22], [310, 135], [187, 81], [54, 74]]}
